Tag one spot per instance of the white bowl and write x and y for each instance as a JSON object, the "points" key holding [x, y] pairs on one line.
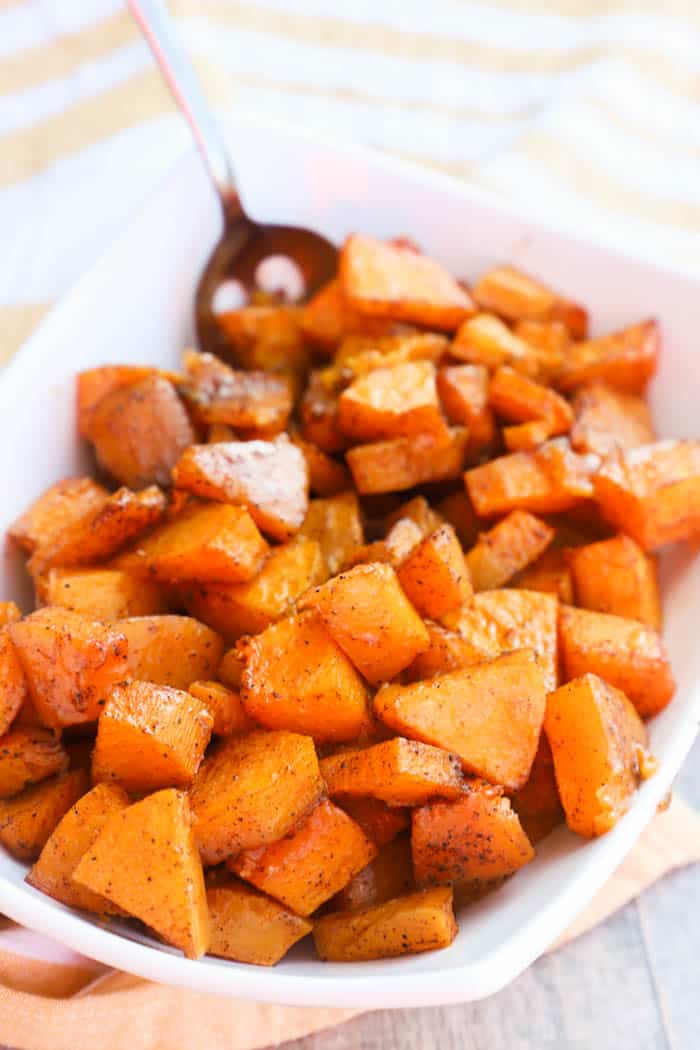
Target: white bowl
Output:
{"points": [[135, 306]]}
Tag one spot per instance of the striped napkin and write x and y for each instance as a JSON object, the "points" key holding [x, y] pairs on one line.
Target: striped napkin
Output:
{"points": [[587, 108]]}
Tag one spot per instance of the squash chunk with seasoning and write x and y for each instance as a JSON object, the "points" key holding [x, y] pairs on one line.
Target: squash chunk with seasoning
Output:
{"points": [[234, 609], [336, 524], [652, 492], [27, 755], [371, 619], [598, 743], [448, 651], [391, 402], [269, 478], [404, 462], [551, 574], [417, 922], [212, 542], [296, 677], [150, 736], [93, 385], [102, 532], [398, 771], [435, 576], [485, 340], [498, 621], [58, 507], [319, 412], [392, 280], [27, 820], [606, 419], [251, 789], [519, 399], [381, 823], [224, 705], [13, 684], [329, 317], [71, 663], [389, 875], [260, 402], [517, 540], [71, 838], [616, 576], [170, 650], [249, 927], [327, 476], [165, 888], [311, 863], [626, 653], [140, 431], [490, 715], [471, 843], [9, 613], [104, 594], [626, 359], [551, 478], [537, 803], [464, 393], [519, 297], [265, 337]]}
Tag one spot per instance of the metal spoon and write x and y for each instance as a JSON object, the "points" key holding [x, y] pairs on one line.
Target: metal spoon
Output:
{"points": [[301, 259]]}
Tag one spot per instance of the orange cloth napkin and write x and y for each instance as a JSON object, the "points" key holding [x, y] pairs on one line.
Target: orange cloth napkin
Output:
{"points": [[61, 1001]]}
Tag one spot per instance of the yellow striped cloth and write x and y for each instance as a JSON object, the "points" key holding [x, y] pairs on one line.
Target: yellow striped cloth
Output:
{"points": [[590, 108]]}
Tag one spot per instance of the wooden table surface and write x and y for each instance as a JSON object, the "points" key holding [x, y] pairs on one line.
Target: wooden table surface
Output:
{"points": [[631, 984]]}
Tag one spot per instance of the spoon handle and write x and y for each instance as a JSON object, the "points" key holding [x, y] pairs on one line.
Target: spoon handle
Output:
{"points": [[157, 27]]}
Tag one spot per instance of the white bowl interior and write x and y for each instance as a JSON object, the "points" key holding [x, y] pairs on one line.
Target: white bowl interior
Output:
{"points": [[135, 306]]}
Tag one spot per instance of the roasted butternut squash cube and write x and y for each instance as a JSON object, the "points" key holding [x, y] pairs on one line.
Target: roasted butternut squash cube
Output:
{"points": [[598, 743], [448, 651], [29, 754], [551, 575], [102, 532], [549, 479], [458, 509], [311, 863], [319, 412], [398, 771], [71, 838], [329, 317], [252, 401], [150, 737], [464, 393], [606, 419], [490, 715], [10, 612], [485, 340], [336, 524], [652, 492], [518, 297], [380, 823], [499, 621], [170, 650], [165, 889], [390, 280], [371, 619], [94, 384], [327, 476], [104, 594], [404, 462], [361, 354], [267, 337], [27, 820], [224, 705], [525, 437], [71, 663], [251, 789], [402, 538], [392, 402], [417, 922], [616, 576], [517, 540], [626, 653], [140, 431], [518, 398], [435, 576], [62, 504], [626, 359], [420, 512], [268, 478], [537, 803], [389, 875], [210, 542], [471, 843], [13, 684], [246, 608], [249, 927], [296, 677], [551, 339]]}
